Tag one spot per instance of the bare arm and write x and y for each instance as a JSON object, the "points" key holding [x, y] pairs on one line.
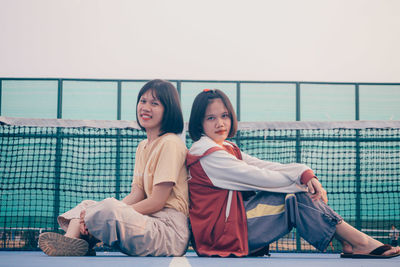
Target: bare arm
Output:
{"points": [[137, 194], [156, 201]]}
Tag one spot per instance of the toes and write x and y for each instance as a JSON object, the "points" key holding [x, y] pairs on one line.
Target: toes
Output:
{"points": [[392, 251]]}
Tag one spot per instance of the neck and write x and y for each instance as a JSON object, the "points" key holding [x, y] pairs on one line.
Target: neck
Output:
{"points": [[152, 135], [217, 142]]}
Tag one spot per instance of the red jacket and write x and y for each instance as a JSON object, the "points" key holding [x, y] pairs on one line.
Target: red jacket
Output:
{"points": [[215, 233]]}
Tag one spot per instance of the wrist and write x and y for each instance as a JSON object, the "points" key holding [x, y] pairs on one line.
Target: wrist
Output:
{"points": [[307, 175]]}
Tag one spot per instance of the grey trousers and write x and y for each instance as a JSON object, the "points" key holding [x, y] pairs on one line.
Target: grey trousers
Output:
{"points": [[270, 216], [164, 233]]}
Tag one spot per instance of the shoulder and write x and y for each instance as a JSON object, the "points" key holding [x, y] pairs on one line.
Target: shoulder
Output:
{"points": [[171, 137], [172, 140], [233, 149], [202, 145], [230, 144]]}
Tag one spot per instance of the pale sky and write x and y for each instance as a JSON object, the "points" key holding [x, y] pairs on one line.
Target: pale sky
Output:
{"points": [[267, 40]]}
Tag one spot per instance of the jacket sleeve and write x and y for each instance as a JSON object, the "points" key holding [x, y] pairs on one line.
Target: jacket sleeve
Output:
{"points": [[227, 172], [262, 163]]}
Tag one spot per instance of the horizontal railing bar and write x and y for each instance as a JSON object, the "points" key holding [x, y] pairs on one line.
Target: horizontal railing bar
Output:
{"points": [[243, 138], [38, 136], [198, 81]]}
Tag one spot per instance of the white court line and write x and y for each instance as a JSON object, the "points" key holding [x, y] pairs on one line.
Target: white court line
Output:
{"points": [[179, 262]]}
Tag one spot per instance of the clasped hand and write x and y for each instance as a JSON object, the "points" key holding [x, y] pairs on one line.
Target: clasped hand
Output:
{"points": [[316, 190], [82, 226]]}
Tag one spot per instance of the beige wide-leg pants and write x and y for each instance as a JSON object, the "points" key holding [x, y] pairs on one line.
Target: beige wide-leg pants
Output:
{"points": [[164, 233]]}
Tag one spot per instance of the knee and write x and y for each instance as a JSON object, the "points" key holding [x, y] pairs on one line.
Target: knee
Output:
{"points": [[109, 201], [87, 203], [108, 206]]}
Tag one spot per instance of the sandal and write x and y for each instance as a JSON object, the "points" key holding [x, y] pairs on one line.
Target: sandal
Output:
{"points": [[375, 254]]}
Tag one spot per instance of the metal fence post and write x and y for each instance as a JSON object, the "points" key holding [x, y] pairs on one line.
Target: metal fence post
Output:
{"points": [[1, 93], [59, 98], [358, 160], [58, 156], [298, 150], [118, 144], [57, 177], [238, 111], [179, 88]]}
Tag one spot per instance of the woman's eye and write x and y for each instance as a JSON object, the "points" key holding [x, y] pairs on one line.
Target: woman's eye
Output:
{"points": [[210, 118], [154, 103], [142, 101]]}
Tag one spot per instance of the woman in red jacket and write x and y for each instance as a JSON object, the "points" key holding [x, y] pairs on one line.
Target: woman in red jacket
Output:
{"points": [[227, 220]]}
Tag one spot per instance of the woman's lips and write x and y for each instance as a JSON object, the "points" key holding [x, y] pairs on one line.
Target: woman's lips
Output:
{"points": [[145, 117]]}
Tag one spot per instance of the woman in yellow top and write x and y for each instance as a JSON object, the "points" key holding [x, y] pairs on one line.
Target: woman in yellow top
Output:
{"points": [[152, 219]]}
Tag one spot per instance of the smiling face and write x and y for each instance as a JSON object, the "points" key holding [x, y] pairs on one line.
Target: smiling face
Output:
{"points": [[150, 112], [217, 122]]}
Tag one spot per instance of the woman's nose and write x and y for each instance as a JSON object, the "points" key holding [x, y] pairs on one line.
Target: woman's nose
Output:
{"points": [[146, 106]]}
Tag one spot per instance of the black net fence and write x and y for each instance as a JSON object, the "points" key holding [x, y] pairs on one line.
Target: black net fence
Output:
{"points": [[47, 170]]}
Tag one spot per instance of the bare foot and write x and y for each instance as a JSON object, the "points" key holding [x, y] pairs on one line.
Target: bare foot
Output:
{"points": [[346, 247], [358, 242], [82, 226], [372, 244], [393, 250]]}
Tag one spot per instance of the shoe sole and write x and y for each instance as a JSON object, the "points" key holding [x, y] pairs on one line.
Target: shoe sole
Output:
{"points": [[368, 256], [54, 244]]}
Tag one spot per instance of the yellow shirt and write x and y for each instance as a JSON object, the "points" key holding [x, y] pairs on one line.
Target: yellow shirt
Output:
{"points": [[163, 161]]}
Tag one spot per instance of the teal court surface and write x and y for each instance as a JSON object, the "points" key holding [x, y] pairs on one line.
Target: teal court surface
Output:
{"points": [[39, 259]]}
